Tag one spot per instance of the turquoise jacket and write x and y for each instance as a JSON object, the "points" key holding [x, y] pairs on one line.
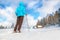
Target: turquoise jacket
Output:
{"points": [[20, 10]]}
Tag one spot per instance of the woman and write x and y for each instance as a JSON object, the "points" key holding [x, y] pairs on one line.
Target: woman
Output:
{"points": [[20, 12]]}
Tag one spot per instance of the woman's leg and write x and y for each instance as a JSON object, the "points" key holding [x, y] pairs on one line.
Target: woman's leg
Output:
{"points": [[20, 22], [15, 28]]}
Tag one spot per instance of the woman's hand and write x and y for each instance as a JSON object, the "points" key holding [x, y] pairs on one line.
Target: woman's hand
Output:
{"points": [[26, 14]]}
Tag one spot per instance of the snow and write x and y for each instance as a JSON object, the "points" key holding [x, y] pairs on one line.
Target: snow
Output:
{"points": [[52, 33]]}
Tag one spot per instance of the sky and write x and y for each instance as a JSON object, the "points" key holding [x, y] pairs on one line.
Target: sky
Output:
{"points": [[36, 10]]}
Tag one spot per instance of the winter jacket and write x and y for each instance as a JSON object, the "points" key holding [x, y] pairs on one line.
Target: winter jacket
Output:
{"points": [[20, 10]]}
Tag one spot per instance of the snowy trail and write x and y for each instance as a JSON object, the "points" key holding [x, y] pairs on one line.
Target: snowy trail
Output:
{"points": [[33, 34]]}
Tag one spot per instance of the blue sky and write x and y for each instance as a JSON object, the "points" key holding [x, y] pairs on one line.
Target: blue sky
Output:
{"points": [[32, 11], [36, 9], [2, 18]]}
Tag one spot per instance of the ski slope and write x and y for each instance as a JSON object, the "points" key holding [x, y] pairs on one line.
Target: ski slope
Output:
{"points": [[31, 34]]}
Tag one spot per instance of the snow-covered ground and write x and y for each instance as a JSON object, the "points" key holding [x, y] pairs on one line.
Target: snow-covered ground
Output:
{"points": [[50, 33]]}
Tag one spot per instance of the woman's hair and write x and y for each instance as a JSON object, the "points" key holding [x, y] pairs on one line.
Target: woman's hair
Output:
{"points": [[21, 3]]}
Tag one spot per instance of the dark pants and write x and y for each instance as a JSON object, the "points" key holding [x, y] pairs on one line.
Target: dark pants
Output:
{"points": [[18, 23]]}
